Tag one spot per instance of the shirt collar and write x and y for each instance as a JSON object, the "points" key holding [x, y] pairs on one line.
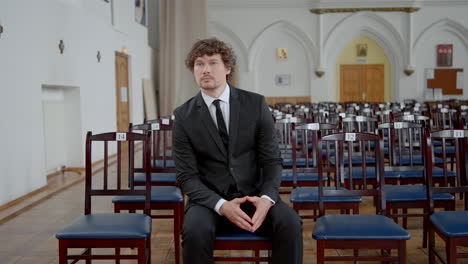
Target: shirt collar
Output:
{"points": [[223, 97]]}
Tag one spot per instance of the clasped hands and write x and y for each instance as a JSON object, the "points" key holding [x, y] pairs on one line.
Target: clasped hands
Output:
{"points": [[233, 212]]}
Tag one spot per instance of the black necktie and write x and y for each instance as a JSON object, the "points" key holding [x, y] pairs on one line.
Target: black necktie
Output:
{"points": [[221, 124]]}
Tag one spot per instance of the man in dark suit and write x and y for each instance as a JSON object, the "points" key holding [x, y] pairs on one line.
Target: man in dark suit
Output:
{"points": [[228, 162]]}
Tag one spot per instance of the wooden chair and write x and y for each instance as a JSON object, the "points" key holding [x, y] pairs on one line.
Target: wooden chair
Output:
{"points": [[164, 195], [405, 154], [304, 196], [162, 169], [110, 230], [238, 239], [357, 231], [451, 226]]}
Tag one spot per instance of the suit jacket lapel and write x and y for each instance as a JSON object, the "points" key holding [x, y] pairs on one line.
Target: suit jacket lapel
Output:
{"points": [[207, 120], [233, 117]]}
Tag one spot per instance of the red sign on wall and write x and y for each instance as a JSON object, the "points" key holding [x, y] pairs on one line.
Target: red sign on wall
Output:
{"points": [[444, 55]]}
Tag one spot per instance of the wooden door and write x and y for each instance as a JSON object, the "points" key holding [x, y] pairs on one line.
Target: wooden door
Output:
{"points": [[122, 107], [362, 82], [121, 92]]}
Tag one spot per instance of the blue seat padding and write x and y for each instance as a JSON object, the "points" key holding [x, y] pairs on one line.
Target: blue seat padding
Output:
{"points": [[160, 163], [356, 160], [237, 234], [140, 177], [108, 226], [436, 172], [352, 227], [451, 223], [299, 162], [287, 176], [370, 173], [310, 195], [448, 150], [402, 193], [158, 194], [417, 160]]}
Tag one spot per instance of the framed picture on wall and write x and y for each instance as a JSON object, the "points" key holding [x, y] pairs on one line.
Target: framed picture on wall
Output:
{"points": [[444, 55], [283, 79], [361, 50]]}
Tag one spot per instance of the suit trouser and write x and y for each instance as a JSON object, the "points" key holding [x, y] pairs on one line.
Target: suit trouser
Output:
{"points": [[281, 223]]}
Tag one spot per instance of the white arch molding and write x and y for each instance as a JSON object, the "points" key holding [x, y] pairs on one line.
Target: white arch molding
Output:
{"points": [[445, 24], [295, 33], [373, 27]]}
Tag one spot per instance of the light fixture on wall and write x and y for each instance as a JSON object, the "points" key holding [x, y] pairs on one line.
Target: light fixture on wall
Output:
{"points": [[98, 56], [61, 46], [124, 49], [319, 72], [409, 70], [1, 30]]}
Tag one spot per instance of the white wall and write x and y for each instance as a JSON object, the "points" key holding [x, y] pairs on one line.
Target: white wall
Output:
{"points": [[408, 39], [29, 58]]}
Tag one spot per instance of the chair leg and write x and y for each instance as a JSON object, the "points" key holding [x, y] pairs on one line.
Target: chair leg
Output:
{"points": [[320, 252], [141, 248], [89, 252], [177, 226], [451, 251], [117, 253], [62, 252], [425, 231], [431, 246], [148, 246], [402, 252], [405, 218]]}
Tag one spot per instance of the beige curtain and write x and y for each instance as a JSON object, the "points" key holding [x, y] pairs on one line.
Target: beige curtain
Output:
{"points": [[181, 23]]}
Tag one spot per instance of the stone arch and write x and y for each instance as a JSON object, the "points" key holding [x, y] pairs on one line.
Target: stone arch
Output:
{"points": [[374, 27], [292, 31]]}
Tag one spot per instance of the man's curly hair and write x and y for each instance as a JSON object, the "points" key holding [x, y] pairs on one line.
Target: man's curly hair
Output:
{"points": [[209, 47]]}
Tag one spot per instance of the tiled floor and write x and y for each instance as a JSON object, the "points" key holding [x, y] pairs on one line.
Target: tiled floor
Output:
{"points": [[30, 236]]}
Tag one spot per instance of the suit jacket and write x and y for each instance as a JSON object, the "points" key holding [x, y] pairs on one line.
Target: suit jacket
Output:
{"points": [[205, 169]]}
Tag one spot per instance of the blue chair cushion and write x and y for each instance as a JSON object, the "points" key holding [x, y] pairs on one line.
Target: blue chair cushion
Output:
{"points": [[160, 163], [236, 234], [370, 173], [436, 172], [417, 160], [402, 193], [162, 177], [310, 195], [288, 162], [451, 223], [356, 160], [108, 226], [448, 150], [287, 176], [353, 227], [158, 194]]}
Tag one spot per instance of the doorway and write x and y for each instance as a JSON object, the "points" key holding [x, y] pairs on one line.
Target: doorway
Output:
{"points": [[362, 82]]}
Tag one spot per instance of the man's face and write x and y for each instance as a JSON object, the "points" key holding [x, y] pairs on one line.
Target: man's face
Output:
{"points": [[210, 72]]}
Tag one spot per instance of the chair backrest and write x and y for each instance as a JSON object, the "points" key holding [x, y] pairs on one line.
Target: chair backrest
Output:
{"points": [[459, 139], [304, 142], [161, 143], [404, 140], [112, 184], [346, 143]]}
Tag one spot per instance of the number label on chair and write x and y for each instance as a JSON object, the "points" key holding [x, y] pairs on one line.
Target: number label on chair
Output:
{"points": [[350, 136], [458, 133], [398, 125], [409, 117], [343, 115], [155, 126], [293, 119], [407, 113], [444, 110], [360, 118], [165, 121], [121, 136], [314, 126]]}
